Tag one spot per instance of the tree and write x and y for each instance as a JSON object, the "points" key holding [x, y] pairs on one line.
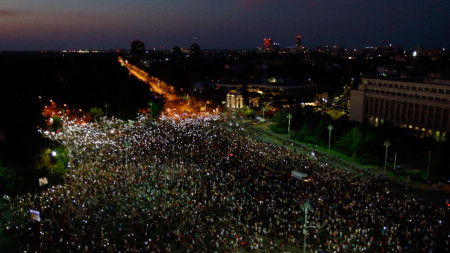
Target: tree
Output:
{"points": [[249, 113], [95, 113], [357, 140], [353, 141], [8, 179], [320, 130], [54, 163], [57, 123], [155, 109], [281, 118], [304, 132], [370, 140]]}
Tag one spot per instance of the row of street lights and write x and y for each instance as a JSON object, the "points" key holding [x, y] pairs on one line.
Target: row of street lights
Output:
{"points": [[387, 144]]}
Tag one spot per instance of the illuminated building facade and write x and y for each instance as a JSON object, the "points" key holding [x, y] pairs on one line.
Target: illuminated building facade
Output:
{"points": [[254, 101], [235, 100], [421, 106], [268, 44]]}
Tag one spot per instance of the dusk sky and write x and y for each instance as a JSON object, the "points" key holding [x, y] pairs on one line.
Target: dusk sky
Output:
{"points": [[221, 24]]}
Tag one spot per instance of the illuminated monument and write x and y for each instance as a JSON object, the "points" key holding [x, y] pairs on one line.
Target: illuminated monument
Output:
{"points": [[235, 100]]}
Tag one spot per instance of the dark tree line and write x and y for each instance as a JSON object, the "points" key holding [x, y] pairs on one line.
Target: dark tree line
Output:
{"points": [[30, 80]]}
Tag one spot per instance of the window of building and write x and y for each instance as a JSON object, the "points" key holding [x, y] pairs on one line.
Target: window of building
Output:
{"points": [[433, 90], [426, 89]]}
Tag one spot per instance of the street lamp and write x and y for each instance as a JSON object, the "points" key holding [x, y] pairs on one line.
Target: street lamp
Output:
{"points": [[386, 144], [289, 116], [395, 159], [264, 109], [307, 207], [106, 109], [330, 127]]}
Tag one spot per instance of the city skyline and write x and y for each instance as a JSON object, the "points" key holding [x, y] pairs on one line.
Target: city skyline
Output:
{"points": [[234, 24]]}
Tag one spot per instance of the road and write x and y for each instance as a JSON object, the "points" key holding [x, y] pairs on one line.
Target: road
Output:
{"points": [[174, 105]]}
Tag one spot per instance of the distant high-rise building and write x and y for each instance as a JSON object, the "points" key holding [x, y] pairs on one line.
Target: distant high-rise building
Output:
{"points": [[298, 44], [276, 47], [268, 44], [137, 47], [195, 48]]}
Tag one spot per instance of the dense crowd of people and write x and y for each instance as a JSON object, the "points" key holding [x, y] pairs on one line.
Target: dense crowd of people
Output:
{"points": [[199, 185]]}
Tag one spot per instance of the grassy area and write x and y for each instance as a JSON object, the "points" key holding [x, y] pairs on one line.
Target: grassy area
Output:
{"points": [[408, 175], [411, 176]]}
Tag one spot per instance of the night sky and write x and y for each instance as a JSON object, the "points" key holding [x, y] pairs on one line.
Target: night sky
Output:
{"points": [[221, 24]]}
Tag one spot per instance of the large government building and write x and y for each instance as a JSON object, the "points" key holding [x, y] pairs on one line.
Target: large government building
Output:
{"points": [[422, 106]]}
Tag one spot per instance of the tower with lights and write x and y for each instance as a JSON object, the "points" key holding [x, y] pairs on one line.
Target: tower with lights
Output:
{"points": [[195, 48], [298, 44], [268, 45]]}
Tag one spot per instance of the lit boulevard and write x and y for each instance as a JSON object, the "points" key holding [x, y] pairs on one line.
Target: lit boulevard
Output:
{"points": [[174, 105]]}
